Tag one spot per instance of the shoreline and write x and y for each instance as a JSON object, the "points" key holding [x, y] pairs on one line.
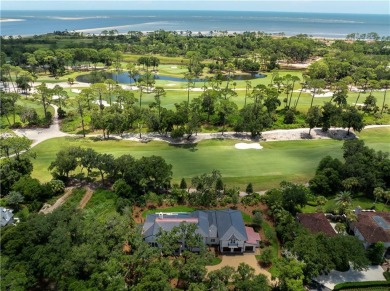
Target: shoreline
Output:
{"points": [[90, 32]]}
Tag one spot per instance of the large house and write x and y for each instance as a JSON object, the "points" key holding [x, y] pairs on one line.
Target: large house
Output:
{"points": [[222, 228], [373, 227]]}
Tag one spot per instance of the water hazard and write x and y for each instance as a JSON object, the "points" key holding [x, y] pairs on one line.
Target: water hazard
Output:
{"points": [[125, 79]]}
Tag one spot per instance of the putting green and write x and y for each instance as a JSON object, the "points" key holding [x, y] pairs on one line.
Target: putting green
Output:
{"points": [[281, 160]]}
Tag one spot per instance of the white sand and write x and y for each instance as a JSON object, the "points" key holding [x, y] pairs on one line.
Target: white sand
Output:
{"points": [[76, 91], [11, 20], [326, 94], [246, 146], [173, 67], [171, 84], [104, 103]]}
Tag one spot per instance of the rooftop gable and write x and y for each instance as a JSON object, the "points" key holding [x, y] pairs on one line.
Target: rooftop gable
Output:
{"points": [[316, 223], [6, 216], [229, 223], [373, 226]]}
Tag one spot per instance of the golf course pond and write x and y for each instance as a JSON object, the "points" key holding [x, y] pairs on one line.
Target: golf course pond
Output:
{"points": [[125, 79]]}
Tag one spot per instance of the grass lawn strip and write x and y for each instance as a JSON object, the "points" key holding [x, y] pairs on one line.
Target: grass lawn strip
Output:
{"points": [[277, 161]]}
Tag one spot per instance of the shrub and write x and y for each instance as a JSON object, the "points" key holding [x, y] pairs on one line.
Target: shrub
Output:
{"points": [[387, 276], [330, 209], [183, 184], [177, 133], [121, 204], [16, 125], [61, 113], [266, 256], [257, 219], [289, 117], [375, 253], [355, 285], [249, 188], [57, 186], [122, 189], [311, 203]]}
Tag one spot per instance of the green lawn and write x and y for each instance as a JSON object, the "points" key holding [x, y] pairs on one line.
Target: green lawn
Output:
{"points": [[274, 244], [363, 202], [101, 204], [277, 161], [23, 102]]}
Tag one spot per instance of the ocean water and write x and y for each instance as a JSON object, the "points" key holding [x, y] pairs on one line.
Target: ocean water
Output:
{"points": [[313, 24]]}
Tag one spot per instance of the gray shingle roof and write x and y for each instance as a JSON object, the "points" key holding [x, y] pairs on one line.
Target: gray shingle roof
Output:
{"points": [[229, 223], [211, 223], [6, 216]]}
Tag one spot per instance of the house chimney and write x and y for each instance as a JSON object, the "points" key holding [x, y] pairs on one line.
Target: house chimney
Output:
{"points": [[161, 215], [358, 210]]}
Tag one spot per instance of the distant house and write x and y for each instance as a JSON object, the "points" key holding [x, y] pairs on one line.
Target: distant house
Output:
{"points": [[222, 228], [316, 223], [373, 227], [7, 217]]}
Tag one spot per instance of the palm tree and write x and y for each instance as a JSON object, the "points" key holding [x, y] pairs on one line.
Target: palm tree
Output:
{"points": [[294, 79], [343, 200], [159, 92], [385, 85], [248, 85], [190, 84], [303, 87], [132, 71]]}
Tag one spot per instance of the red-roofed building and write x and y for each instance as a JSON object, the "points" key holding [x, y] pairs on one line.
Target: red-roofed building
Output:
{"points": [[316, 223], [253, 239], [373, 227]]}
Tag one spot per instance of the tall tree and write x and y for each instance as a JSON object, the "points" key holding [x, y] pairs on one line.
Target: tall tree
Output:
{"points": [[313, 117], [316, 86], [351, 118], [45, 96]]}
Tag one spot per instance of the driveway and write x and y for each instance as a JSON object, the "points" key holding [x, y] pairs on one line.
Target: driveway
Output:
{"points": [[235, 260], [374, 273]]}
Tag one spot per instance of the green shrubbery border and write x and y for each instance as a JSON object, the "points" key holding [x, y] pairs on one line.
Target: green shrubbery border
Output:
{"points": [[350, 285]]}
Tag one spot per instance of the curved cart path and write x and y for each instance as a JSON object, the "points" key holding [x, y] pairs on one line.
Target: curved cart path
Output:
{"points": [[38, 135]]}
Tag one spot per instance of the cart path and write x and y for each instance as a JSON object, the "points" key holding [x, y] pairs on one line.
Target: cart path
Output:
{"points": [[47, 208], [38, 135], [87, 196]]}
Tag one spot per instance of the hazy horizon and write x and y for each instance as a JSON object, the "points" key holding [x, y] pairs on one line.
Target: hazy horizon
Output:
{"points": [[299, 6], [151, 10]]}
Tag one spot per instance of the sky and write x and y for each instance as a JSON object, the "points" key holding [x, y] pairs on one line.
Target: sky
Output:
{"points": [[330, 6]]}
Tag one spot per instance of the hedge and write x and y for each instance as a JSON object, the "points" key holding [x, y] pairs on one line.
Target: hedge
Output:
{"points": [[350, 285], [387, 276]]}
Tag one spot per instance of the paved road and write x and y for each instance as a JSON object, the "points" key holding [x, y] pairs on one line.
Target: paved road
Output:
{"points": [[374, 273], [38, 135]]}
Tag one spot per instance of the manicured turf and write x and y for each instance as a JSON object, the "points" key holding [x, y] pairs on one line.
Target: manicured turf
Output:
{"points": [[277, 161]]}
